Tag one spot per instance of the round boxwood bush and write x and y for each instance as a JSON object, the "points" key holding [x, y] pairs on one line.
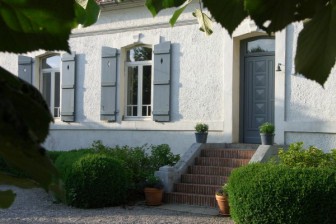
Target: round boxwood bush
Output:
{"points": [[66, 159], [94, 181], [269, 193]]}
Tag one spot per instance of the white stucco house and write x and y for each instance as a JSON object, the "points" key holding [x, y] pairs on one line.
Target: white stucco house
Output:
{"points": [[133, 80]]}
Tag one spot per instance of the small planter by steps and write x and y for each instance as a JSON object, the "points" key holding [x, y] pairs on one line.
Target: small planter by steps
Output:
{"points": [[153, 191], [267, 133], [153, 196], [223, 201], [201, 132]]}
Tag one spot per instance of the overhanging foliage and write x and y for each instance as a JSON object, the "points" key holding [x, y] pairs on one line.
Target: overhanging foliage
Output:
{"points": [[28, 25], [316, 51]]}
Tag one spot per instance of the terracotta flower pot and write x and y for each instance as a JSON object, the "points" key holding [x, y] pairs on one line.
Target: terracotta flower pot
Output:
{"points": [[153, 196], [223, 205]]}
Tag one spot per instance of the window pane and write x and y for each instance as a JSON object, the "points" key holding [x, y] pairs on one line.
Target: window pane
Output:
{"points": [[51, 62], [132, 91], [261, 45], [146, 89], [139, 54], [57, 95], [46, 88]]}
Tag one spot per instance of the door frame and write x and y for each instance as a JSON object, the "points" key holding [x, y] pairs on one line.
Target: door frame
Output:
{"points": [[243, 55]]}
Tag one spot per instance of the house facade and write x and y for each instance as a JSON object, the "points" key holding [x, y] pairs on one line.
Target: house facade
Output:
{"points": [[132, 80]]}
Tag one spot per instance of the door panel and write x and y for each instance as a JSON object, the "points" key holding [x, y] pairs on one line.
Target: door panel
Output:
{"points": [[258, 95]]}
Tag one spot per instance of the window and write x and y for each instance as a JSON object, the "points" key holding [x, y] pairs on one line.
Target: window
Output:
{"points": [[50, 80], [138, 82], [261, 45]]}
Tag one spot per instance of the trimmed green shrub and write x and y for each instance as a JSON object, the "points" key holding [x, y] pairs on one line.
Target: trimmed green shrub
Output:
{"points": [[95, 181], [297, 156], [134, 160], [66, 159], [270, 193]]}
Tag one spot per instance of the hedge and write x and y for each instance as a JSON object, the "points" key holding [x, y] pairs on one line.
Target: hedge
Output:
{"points": [[269, 193], [95, 181]]}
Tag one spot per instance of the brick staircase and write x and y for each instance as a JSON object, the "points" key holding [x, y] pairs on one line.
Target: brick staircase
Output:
{"points": [[210, 170]]}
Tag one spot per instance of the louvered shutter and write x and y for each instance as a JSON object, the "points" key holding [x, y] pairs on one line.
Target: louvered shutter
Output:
{"points": [[161, 104], [108, 84], [68, 87], [25, 68]]}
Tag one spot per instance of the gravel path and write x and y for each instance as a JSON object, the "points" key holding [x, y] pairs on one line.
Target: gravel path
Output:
{"points": [[36, 206]]}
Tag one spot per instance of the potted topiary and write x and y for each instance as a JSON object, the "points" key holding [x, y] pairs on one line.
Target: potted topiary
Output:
{"points": [[222, 200], [201, 132], [267, 133], [153, 190]]}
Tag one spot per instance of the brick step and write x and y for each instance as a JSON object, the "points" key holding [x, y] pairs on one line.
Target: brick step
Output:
{"points": [[210, 170], [203, 179], [217, 161], [190, 199], [196, 188], [228, 153]]}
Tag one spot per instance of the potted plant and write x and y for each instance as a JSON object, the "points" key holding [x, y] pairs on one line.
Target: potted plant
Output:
{"points": [[267, 133], [223, 200], [201, 132], [153, 190]]}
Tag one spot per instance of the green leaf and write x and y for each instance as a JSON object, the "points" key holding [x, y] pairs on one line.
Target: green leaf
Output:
{"points": [[6, 198], [275, 15], [28, 25], [87, 12], [229, 13], [178, 12], [27, 104], [204, 22], [24, 123], [316, 48], [278, 14], [155, 6], [8, 179]]}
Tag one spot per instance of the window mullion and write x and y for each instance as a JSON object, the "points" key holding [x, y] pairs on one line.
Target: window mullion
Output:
{"points": [[52, 92], [140, 78]]}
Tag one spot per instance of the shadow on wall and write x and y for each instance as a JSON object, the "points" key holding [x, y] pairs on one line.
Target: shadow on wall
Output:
{"points": [[175, 83], [80, 89]]}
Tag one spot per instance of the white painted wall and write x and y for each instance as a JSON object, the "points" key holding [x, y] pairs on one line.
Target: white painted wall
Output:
{"points": [[205, 85]]}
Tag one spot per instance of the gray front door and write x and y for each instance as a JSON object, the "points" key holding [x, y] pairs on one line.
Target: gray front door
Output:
{"points": [[257, 87]]}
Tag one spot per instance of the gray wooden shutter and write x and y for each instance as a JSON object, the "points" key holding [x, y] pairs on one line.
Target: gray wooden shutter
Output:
{"points": [[68, 87], [25, 68], [108, 84], [161, 104]]}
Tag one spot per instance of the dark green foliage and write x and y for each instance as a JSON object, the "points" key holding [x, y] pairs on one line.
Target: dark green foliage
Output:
{"points": [[135, 160], [267, 128], [139, 161], [297, 156], [201, 128], [161, 155], [270, 193], [137, 164], [96, 180], [153, 182], [65, 161]]}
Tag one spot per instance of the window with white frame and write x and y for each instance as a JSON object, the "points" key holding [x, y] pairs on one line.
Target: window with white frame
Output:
{"points": [[138, 82], [50, 80]]}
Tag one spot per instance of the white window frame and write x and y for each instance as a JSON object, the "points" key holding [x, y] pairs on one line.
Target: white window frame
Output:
{"points": [[140, 65], [52, 72]]}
